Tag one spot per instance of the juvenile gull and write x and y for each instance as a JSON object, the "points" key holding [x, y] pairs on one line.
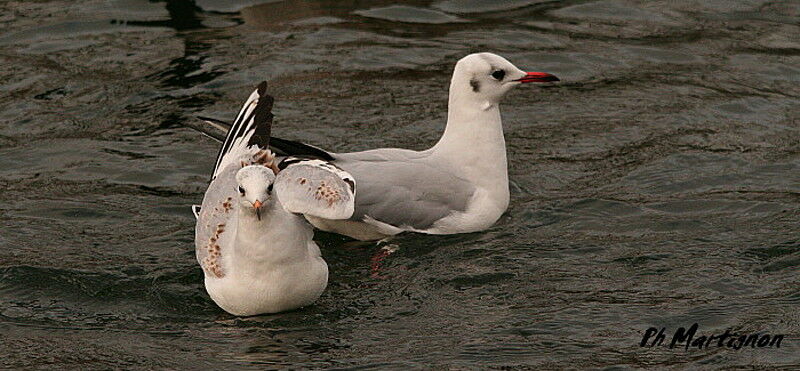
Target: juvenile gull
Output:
{"points": [[251, 239], [459, 185]]}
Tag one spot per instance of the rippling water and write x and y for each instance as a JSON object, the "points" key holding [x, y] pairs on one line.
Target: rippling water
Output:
{"points": [[657, 185]]}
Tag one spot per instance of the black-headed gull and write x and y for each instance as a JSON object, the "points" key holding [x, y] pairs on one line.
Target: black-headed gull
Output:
{"points": [[251, 239], [459, 185]]}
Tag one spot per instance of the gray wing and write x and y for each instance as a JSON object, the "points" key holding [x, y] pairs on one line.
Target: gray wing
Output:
{"points": [[403, 189], [317, 188]]}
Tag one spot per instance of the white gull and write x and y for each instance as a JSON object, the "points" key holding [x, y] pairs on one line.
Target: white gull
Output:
{"points": [[459, 185], [254, 245]]}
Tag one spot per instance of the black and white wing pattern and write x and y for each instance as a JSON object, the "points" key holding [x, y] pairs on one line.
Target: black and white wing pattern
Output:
{"points": [[196, 211], [316, 188], [251, 128]]}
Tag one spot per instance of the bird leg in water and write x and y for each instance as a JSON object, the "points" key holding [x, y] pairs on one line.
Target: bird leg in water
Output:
{"points": [[378, 258]]}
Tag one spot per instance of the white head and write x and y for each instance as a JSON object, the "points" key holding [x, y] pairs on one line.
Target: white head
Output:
{"points": [[254, 185], [488, 77]]}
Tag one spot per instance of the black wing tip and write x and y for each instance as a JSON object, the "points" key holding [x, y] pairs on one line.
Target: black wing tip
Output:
{"points": [[265, 101], [350, 183], [196, 211], [262, 118], [260, 126], [262, 88], [293, 148]]}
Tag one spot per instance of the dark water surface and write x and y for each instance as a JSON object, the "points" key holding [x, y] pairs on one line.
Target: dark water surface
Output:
{"points": [[657, 185]]}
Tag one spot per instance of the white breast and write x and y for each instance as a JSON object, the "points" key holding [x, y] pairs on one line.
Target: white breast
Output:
{"points": [[273, 289], [484, 209]]}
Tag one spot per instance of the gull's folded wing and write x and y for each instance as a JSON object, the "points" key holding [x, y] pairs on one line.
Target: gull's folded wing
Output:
{"points": [[317, 188]]}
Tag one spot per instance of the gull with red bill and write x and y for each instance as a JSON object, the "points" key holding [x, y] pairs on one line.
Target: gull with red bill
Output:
{"points": [[458, 185], [537, 77]]}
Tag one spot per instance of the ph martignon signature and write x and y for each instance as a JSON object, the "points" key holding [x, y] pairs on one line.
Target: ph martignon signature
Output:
{"points": [[653, 337]]}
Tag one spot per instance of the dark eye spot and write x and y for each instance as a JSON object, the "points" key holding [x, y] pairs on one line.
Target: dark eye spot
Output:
{"points": [[476, 86], [499, 74], [241, 190], [269, 189]]}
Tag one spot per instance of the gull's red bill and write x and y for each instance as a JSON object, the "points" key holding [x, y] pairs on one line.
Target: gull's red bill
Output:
{"points": [[537, 77], [257, 206]]}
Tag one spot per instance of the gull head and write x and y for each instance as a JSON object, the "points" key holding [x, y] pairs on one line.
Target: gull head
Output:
{"points": [[489, 77], [254, 186]]}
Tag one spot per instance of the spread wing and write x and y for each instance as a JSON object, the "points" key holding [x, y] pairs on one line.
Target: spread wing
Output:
{"points": [[315, 187], [249, 132]]}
